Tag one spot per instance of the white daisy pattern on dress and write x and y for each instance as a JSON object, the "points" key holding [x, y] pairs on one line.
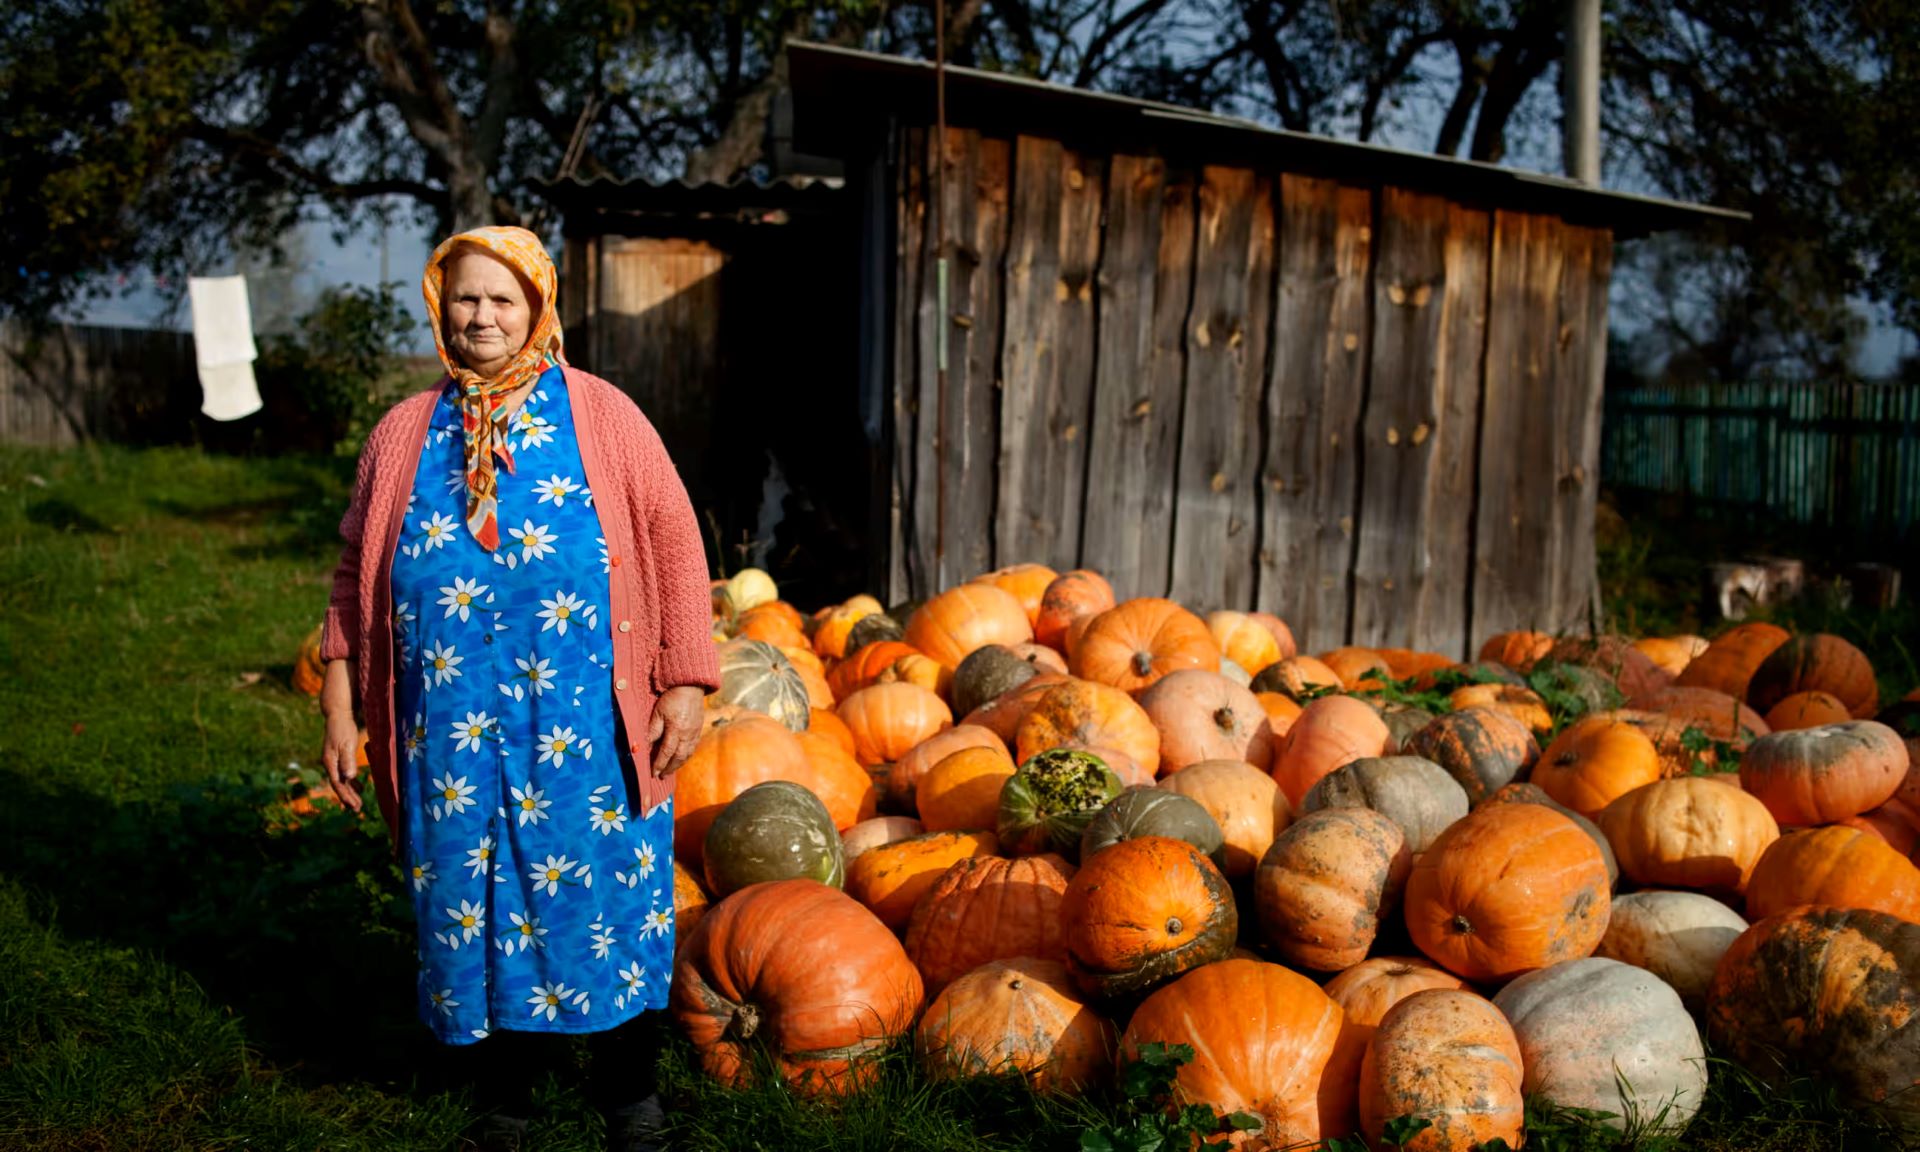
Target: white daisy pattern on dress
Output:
{"points": [[515, 794]]}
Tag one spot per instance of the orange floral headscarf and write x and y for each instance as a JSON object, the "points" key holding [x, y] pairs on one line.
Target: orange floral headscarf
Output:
{"points": [[481, 397]]}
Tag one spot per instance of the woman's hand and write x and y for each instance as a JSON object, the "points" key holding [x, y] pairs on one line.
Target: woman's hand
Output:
{"points": [[675, 728], [339, 752]]}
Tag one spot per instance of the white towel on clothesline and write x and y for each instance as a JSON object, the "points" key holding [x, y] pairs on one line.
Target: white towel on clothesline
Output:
{"points": [[223, 346]]}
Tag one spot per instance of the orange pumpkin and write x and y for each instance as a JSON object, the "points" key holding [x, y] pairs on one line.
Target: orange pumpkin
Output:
{"points": [[872, 833], [1894, 822], [1517, 701], [1205, 716], [309, 671], [1356, 667], [1680, 754], [1816, 663], [1450, 1058], [1282, 635], [1688, 832], [1732, 658], [1517, 650], [727, 761], [1281, 712], [1325, 885], [1243, 800], [1807, 710], [864, 666], [813, 674], [1077, 595], [1027, 583], [887, 720], [1143, 911], [798, 969], [1406, 664], [846, 789], [1713, 712], [963, 790], [954, 623], [690, 903], [891, 878], [903, 781], [1595, 762], [1671, 654], [1819, 775], [826, 723], [773, 627], [1091, 715], [1615, 658], [1511, 888], [921, 672], [1836, 865], [1265, 1041], [830, 633], [1331, 731], [1018, 1016], [987, 908], [1041, 657], [1366, 991], [1243, 640], [1297, 677], [1135, 643], [1482, 749], [1002, 714]]}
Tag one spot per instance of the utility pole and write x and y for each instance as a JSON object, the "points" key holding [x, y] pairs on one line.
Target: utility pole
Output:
{"points": [[1581, 99]]}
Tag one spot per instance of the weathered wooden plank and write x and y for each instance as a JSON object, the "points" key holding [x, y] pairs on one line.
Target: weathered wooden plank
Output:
{"points": [[911, 226], [1514, 531], [1398, 447], [1145, 280], [1319, 372], [1216, 501], [1583, 390], [1047, 358]]}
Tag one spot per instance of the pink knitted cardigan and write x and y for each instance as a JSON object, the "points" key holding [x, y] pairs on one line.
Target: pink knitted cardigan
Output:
{"points": [[660, 604]]}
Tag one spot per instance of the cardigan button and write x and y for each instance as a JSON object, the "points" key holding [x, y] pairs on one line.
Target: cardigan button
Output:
{"points": [[621, 684], [613, 561], [626, 625]]}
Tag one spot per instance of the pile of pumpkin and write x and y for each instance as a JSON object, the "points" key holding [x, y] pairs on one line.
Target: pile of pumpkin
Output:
{"points": [[1108, 824]]}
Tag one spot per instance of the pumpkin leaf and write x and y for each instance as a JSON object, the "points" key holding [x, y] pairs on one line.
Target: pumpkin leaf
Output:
{"points": [[1242, 1122], [1401, 1130]]}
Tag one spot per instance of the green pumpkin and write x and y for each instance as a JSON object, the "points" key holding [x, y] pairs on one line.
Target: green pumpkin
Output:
{"points": [[988, 671], [871, 629], [1048, 802], [1144, 810], [757, 676], [775, 830], [1574, 690]]}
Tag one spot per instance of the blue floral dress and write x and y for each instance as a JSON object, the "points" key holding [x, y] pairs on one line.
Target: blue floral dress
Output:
{"points": [[544, 900]]}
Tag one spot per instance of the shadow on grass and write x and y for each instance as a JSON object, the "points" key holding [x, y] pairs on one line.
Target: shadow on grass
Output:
{"points": [[64, 516]]}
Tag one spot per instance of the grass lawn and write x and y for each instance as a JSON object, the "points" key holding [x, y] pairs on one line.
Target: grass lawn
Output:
{"points": [[180, 970]]}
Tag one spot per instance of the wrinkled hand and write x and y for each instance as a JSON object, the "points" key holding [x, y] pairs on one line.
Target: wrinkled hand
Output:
{"points": [[675, 728], [339, 754]]}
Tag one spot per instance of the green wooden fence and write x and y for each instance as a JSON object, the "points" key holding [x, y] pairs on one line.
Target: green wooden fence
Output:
{"points": [[1840, 455]]}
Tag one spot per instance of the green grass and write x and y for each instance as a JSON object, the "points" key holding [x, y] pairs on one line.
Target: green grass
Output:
{"points": [[180, 971]]}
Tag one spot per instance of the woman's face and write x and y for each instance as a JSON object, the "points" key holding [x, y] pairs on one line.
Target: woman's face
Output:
{"points": [[487, 312]]}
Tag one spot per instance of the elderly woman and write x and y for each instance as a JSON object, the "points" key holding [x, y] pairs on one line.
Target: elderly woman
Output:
{"points": [[522, 613]]}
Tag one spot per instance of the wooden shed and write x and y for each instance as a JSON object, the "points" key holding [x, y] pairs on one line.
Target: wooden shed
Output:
{"points": [[1243, 367]]}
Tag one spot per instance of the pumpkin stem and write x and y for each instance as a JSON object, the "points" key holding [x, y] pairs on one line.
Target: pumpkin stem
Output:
{"points": [[1463, 925], [1174, 926], [1223, 718], [1142, 663], [745, 1022]]}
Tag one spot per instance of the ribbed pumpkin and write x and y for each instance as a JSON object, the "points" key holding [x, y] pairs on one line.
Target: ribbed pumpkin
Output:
{"points": [[1366, 991], [1243, 640], [1896, 822], [309, 671], [875, 832], [1607, 1036], [813, 677], [775, 830], [726, 762], [1142, 912], [1149, 811], [963, 790], [1595, 762], [1819, 775], [1047, 803], [1405, 663], [838, 780], [1688, 832], [1671, 654], [951, 625], [1516, 650], [1356, 667], [831, 633], [1091, 715], [1296, 677], [1245, 803], [888, 720], [1133, 644], [1807, 710], [824, 722], [1715, 713], [1204, 716], [1265, 1041], [1511, 888], [1414, 793], [1520, 792], [903, 781], [1828, 990], [1677, 936], [1003, 715], [1331, 731], [864, 665], [801, 969], [1076, 595], [690, 903], [987, 908], [1481, 749], [1027, 583], [1732, 658], [1836, 865], [1679, 748], [891, 878], [1514, 700], [1816, 662], [1402, 721], [1327, 883], [1019, 1016], [1446, 1056], [921, 672], [777, 623]]}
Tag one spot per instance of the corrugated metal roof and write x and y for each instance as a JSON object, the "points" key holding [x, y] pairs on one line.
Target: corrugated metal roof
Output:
{"points": [[841, 94], [742, 201]]}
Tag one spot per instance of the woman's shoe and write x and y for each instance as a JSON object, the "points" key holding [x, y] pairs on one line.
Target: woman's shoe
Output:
{"points": [[637, 1127]]}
